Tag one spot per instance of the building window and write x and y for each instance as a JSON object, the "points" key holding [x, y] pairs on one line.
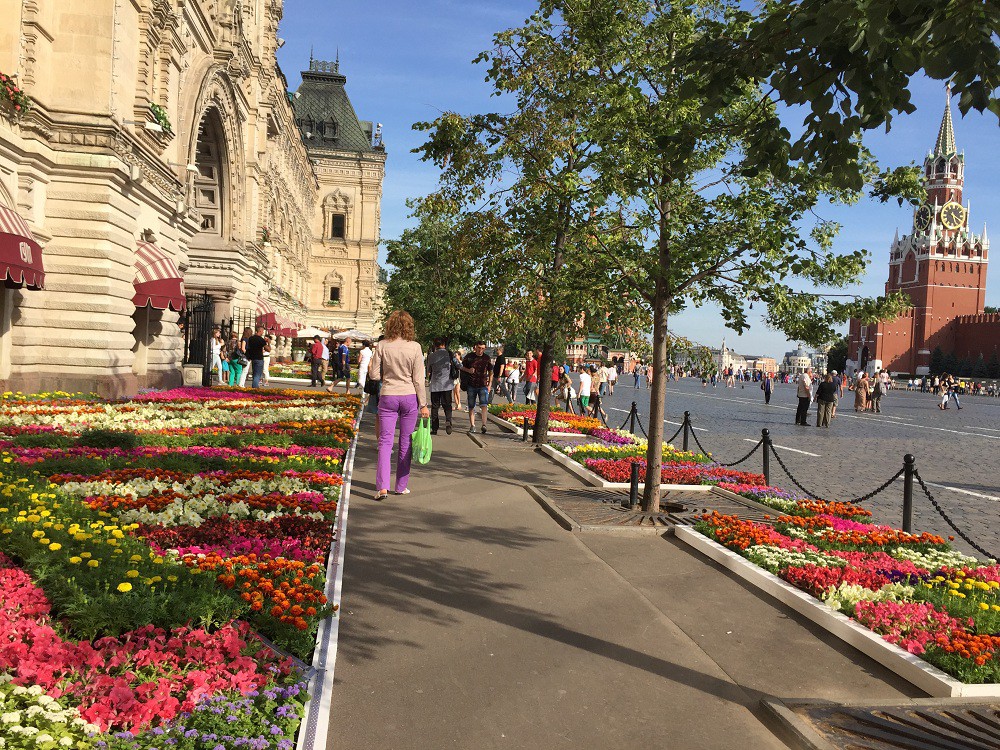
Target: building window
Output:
{"points": [[335, 294], [338, 226]]}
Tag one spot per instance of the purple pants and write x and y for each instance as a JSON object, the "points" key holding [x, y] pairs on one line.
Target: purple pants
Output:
{"points": [[390, 409]]}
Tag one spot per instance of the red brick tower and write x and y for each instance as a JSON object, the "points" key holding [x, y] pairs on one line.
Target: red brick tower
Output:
{"points": [[941, 266]]}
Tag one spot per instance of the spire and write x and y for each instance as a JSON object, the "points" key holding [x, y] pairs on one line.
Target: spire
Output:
{"points": [[986, 240], [945, 145]]}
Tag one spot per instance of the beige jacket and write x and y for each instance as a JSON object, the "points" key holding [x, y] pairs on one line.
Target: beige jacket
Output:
{"points": [[399, 364]]}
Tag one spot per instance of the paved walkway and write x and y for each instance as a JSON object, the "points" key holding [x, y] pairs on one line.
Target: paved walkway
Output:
{"points": [[471, 620]]}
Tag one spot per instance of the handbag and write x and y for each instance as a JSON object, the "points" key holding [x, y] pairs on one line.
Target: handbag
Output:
{"points": [[453, 371], [421, 441], [372, 386]]}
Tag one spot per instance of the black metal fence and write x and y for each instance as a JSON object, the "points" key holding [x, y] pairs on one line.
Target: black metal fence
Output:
{"points": [[197, 323]]}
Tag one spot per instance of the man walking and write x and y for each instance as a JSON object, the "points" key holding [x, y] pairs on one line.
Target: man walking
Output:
{"points": [[805, 397], [499, 371], [317, 362], [344, 364], [256, 347], [838, 391], [439, 372], [530, 377], [479, 367]]}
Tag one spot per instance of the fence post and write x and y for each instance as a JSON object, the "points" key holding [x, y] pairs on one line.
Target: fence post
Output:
{"points": [[908, 468], [631, 417], [524, 431], [765, 435], [633, 490], [687, 423]]}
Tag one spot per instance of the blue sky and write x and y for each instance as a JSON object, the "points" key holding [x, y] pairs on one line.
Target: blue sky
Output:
{"points": [[407, 62]]}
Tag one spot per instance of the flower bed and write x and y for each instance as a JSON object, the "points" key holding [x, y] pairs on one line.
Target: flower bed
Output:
{"points": [[134, 574], [913, 590], [559, 421]]}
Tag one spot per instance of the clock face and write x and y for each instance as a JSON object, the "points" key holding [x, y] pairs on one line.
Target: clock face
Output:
{"points": [[922, 220], [952, 215]]}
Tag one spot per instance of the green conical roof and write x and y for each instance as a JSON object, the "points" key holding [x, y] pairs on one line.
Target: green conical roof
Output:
{"points": [[945, 145]]}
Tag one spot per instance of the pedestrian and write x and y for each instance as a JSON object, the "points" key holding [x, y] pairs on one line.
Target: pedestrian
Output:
{"points": [[825, 398], [242, 376], [479, 367], [439, 373], [767, 385], [499, 373], [566, 393], [637, 373], [217, 346], [399, 363], [324, 362], [456, 390], [530, 377], [599, 382], [554, 377], [344, 364], [878, 390], [585, 384], [595, 392], [862, 388], [267, 360], [364, 362], [238, 362], [838, 385], [804, 393], [316, 363], [256, 347], [612, 378]]}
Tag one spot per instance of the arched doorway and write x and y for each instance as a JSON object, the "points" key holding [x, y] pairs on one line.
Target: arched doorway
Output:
{"points": [[211, 184]]}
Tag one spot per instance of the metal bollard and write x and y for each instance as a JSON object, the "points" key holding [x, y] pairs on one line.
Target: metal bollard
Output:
{"points": [[766, 436], [633, 490], [908, 468], [631, 416], [687, 423], [524, 431]]}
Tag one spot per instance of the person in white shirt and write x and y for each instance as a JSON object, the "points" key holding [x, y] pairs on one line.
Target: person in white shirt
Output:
{"points": [[611, 373], [364, 358], [585, 381], [513, 378], [324, 362]]}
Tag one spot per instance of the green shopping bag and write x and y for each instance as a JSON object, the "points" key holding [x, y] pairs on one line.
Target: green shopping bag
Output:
{"points": [[422, 441]]}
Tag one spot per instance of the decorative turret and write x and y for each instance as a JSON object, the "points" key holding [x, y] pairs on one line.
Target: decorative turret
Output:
{"points": [[945, 145]]}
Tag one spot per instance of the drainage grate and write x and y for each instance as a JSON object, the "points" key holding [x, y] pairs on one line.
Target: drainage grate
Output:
{"points": [[949, 725]]}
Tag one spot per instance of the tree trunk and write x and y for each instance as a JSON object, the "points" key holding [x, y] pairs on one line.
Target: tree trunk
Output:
{"points": [[657, 402], [544, 405]]}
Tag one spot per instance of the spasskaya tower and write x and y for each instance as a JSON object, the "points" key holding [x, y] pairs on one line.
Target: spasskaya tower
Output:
{"points": [[941, 266]]}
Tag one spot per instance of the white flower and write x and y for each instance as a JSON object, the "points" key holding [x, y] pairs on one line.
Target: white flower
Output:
{"points": [[10, 718], [42, 738]]}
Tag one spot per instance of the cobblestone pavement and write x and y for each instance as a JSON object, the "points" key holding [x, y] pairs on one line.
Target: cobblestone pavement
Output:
{"points": [[957, 452]]}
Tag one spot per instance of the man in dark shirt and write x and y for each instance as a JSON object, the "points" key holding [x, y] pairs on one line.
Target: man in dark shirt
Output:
{"points": [[499, 367], [479, 367], [826, 393], [256, 346]]}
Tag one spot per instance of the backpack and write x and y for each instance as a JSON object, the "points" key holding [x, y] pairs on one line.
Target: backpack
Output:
{"points": [[454, 371]]}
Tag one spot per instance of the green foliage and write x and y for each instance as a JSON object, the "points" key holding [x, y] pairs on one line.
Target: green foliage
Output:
{"points": [[993, 370], [836, 357], [937, 361], [979, 369], [109, 439]]}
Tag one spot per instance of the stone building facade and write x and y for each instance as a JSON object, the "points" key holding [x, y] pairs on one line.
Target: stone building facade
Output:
{"points": [[941, 267], [349, 161], [157, 127]]}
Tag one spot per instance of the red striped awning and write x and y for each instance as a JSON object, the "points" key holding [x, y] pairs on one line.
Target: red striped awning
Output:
{"points": [[157, 282], [290, 328], [20, 254], [266, 316]]}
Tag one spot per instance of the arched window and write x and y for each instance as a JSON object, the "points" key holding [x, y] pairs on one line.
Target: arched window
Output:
{"points": [[210, 183], [333, 289]]}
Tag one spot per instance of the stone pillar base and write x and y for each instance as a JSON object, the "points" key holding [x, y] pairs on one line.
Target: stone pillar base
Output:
{"points": [[122, 385]]}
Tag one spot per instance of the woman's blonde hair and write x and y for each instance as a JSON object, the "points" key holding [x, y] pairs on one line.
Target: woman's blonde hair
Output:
{"points": [[400, 326]]}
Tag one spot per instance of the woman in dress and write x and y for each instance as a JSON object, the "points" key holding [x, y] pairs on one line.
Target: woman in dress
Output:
{"points": [[398, 363], [861, 390], [456, 391]]}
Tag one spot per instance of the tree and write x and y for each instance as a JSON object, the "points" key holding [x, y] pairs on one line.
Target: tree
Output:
{"points": [[951, 363], [993, 370], [438, 276], [701, 220], [533, 170], [937, 361], [836, 358], [979, 369]]}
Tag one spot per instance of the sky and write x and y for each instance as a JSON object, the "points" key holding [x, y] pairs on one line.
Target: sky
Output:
{"points": [[408, 62]]}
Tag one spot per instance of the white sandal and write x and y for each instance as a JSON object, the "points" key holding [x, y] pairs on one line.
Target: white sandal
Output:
{"points": [[381, 495], [404, 492]]}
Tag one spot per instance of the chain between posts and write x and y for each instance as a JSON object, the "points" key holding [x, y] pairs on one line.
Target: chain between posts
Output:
{"points": [[794, 480], [752, 451], [673, 437], [948, 520], [883, 486]]}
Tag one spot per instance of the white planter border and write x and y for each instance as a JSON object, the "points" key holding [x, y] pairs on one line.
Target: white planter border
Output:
{"points": [[595, 480], [908, 666], [315, 727]]}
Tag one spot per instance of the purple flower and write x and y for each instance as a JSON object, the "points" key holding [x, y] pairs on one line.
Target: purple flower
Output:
{"points": [[286, 711], [284, 745], [275, 729], [157, 730], [232, 718], [191, 733], [219, 747]]}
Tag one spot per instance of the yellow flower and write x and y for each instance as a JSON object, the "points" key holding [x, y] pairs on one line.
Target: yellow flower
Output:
{"points": [[984, 605], [55, 546], [37, 533], [85, 555], [158, 560], [132, 573], [124, 587], [76, 560], [93, 563], [135, 558], [173, 579]]}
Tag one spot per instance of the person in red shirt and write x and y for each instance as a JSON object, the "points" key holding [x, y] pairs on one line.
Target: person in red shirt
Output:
{"points": [[530, 377], [556, 373], [316, 355]]}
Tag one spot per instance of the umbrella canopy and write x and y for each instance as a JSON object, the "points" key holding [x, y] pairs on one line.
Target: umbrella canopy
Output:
{"points": [[310, 332], [354, 333]]}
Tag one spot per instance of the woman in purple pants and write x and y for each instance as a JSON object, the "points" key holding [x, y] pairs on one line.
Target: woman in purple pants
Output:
{"points": [[399, 364]]}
